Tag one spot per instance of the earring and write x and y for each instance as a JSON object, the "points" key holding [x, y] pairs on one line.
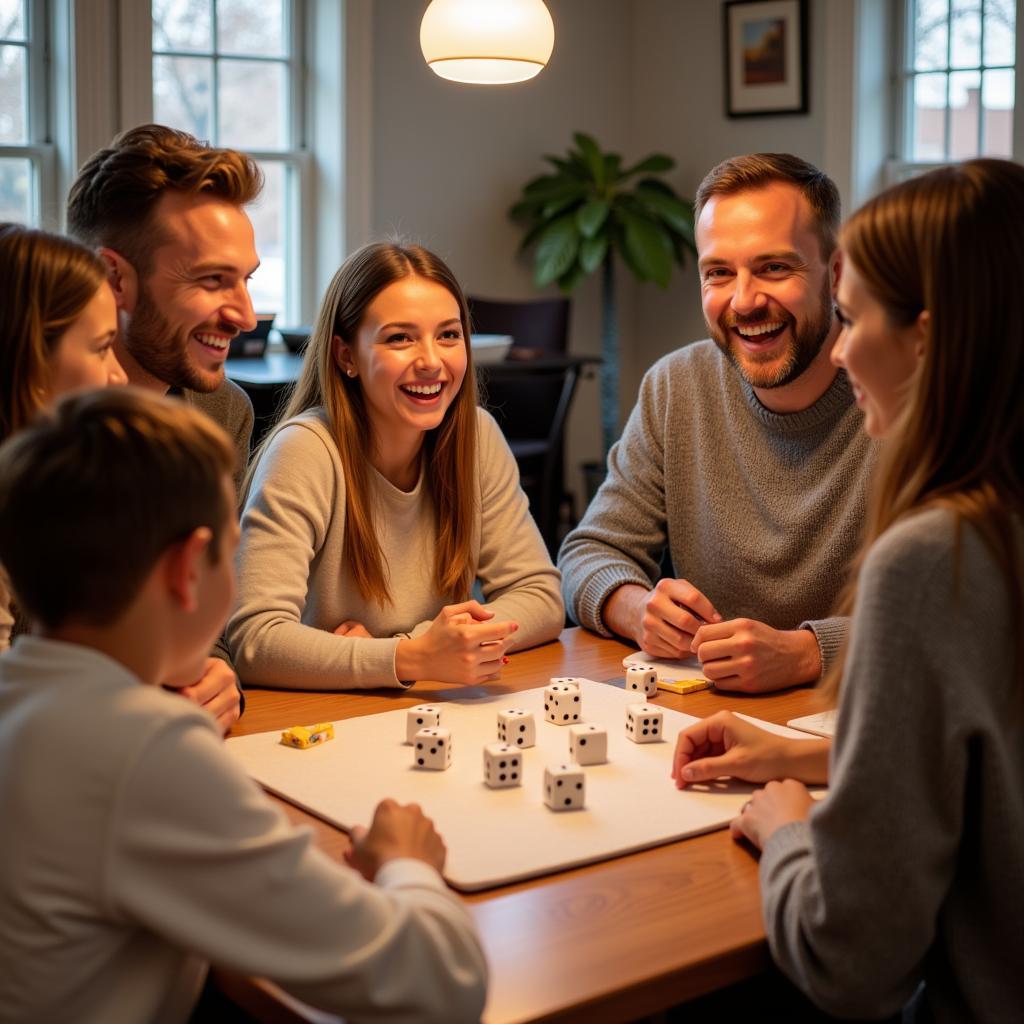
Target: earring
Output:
{"points": [[351, 372]]}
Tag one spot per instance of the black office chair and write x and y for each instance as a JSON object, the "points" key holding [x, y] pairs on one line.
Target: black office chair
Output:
{"points": [[531, 401]]}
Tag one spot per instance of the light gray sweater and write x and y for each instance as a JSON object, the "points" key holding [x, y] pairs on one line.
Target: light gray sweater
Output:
{"points": [[135, 850], [295, 584], [760, 511], [912, 868]]}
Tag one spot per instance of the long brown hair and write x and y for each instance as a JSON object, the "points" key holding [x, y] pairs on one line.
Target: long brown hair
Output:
{"points": [[950, 242], [46, 281], [449, 451]]}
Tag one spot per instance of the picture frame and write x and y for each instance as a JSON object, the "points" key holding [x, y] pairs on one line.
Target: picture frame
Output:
{"points": [[765, 57]]}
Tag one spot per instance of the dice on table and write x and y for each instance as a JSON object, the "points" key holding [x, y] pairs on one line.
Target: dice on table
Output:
{"points": [[644, 723], [503, 766], [564, 788], [642, 679], [588, 744], [433, 749], [517, 727], [562, 704], [423, 716]]}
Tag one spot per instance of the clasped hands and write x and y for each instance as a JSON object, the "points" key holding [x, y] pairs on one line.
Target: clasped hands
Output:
{"points": [[675, 620], [464, 644]]}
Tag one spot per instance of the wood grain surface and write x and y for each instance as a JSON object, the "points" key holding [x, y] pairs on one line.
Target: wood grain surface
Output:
{"points": [[608, 942]]}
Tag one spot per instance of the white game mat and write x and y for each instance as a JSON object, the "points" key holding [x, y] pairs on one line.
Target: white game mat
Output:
{"points": [[499, 836]]}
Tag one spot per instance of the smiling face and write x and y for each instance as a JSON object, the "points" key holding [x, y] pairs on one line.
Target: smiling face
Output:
{"points": [[195, 296], [409, 357], [84, 354], [879, 357], [765, 288]]}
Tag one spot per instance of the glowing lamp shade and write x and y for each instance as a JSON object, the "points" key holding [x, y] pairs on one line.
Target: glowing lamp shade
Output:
{"points": [[487, 42]]}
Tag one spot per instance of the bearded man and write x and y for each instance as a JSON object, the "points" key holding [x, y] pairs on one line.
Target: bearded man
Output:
{"points": [[166, 213], [744, 456]]}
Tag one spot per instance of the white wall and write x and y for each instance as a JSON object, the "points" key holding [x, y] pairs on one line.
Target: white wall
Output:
{"points": [[641, 76]]}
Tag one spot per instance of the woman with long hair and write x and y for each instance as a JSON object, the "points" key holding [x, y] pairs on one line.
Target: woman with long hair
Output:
{"points": [[903, 886], [56, 335], [381, 497]]}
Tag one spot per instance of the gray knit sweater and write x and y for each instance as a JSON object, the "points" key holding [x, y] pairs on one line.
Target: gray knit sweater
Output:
{"points": [[760, 511], [912, 868]]}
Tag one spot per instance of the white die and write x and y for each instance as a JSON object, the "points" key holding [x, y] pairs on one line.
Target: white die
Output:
{"points": [[562, 703], [503, 766], [642, 679], [517, 727], [423, 716], [564, 788], [433, 749], [588, 744], [644, 723]]}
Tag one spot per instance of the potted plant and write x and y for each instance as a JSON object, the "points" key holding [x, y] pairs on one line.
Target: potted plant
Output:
{"points": [[586, 211]]}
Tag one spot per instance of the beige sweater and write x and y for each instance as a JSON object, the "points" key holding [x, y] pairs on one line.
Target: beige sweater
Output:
{"points": [[133, 850], [294, 582]]}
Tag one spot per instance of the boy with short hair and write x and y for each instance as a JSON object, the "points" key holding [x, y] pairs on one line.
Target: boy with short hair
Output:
{"points": [[134, 850]]}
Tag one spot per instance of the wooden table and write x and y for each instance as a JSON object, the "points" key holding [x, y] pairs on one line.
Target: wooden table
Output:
{"points": [[608, 942]]}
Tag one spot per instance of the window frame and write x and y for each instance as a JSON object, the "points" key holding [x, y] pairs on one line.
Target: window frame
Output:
{"points": [[38, 149], [900, 167], [294, 157]]}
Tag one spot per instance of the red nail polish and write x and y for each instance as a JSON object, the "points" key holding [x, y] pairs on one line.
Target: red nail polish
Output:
{"points": [[505, 659]]}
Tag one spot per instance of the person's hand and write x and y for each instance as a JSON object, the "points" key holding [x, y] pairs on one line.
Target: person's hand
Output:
{"points": [[352, 628], [769, 809], [724, 744], [750, 657], [663, 620], [395, 832], [463, 645], [217, 692]]}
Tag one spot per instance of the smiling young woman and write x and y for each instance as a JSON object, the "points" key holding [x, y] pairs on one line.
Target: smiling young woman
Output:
{"points": [[382, 495]]}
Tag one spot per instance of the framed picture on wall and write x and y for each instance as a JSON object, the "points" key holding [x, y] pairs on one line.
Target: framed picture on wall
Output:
{"points": [[765, 57]]}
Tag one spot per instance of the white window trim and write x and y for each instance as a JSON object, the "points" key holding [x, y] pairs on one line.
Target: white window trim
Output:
{"points": [[100, 77], [898, 168]]}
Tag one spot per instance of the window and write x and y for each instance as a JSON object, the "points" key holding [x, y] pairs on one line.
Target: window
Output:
{"points": [[959, 82], [229, 71], [24, 155]]}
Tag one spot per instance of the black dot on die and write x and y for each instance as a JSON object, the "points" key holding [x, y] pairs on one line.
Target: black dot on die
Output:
{"points": [[419, 746], [583, 741], [440, 743], [646, 731], [520, 741], [568, 800], [515, 763], [565, 718], [647, 721], [545, 707], [501, 777], [501, 764], [576, 699], [433, 750], [419, 761], [419, 721], [574, 717], [514, 776], [522, 728], [558, 782], [579, 785]]}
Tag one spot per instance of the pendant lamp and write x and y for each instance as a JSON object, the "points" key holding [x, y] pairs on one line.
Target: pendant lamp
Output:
{"points": [[487, 42]]}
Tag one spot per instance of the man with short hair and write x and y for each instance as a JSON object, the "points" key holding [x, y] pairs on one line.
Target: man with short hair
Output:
{"points": [[743, 456], [167, 214]]}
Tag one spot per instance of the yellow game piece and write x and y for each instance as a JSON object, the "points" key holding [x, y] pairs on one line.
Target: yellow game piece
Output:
{"points": [[683, 685], [305, 736]]}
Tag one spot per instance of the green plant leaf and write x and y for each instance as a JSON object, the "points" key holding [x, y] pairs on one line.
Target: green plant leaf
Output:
{"points": [[532, 235], [571, 278], [557, 188], [669, 207], [612, 167], [656, 163], [539, 184], [590, 216], [556, 206], [592, 252], [649, 245], [556, 250], [593, 156]]}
